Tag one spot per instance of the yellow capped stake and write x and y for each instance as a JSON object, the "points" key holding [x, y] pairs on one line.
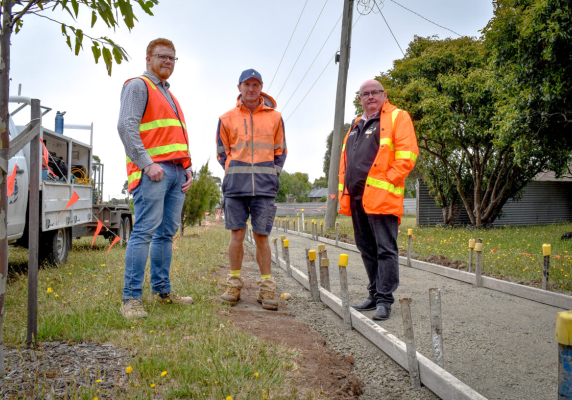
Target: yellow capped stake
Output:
{"points": [[478, 247], [312, 255], [343, 262], [546, 249], [282, 237], [322, 223], [313, 221], [286, 243], [410, 232], [337, 223], [564, 328], [321, 247], [471, 243], [297, 214], [325, 262], [273, 240], [302, 210], [246, 223]]}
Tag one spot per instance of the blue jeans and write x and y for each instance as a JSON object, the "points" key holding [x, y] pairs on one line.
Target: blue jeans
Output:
{"points": [[376, 239], [158, 207]]}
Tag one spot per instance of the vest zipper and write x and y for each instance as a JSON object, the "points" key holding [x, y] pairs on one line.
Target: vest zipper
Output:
{"points": [[252, 150]]}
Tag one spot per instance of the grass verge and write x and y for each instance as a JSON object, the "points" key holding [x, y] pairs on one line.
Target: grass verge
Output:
{"points": [[509, 252], [203, 355]]}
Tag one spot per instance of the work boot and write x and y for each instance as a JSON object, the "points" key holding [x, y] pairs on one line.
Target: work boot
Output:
{"points": [[133, 309], [171, 298], [266, 295], [234, 286]]}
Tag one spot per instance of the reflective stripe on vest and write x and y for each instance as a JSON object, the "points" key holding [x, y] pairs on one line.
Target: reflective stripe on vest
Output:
{"points": [[160, 123], [388, 142], [400, 191], [160, 150], [135, 175], [393, 116], [408, 155], [251, 170], [149, 82], [340, 186], [344, 147]]}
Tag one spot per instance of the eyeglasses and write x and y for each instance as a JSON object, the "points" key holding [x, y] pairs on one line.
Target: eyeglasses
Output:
{"points": [[164, 58], [373, 93]]}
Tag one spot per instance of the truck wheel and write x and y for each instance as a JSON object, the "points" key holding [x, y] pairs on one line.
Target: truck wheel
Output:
{"points": [[126, 223], [55, 246]]}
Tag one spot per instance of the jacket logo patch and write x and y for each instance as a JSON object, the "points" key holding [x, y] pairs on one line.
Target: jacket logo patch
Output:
{"points": [[369, 131], [352, 132]]}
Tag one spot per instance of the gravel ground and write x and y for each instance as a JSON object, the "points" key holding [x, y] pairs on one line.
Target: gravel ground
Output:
{"points": [[501, 345]]}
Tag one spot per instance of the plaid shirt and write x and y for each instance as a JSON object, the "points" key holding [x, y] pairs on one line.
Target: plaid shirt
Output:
{"points": [[133, 104]]}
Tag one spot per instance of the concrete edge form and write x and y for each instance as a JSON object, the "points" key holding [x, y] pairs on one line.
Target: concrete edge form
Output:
{"points": [[439, 381], [530, 293]]}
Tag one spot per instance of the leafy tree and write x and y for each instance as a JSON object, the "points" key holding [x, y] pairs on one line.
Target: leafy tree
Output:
{"points": [[294, 186], [452, 93], [320, 183], [203, 196]]}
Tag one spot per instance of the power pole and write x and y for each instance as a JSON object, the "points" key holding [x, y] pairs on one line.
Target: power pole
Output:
{"points": [[332, 203]]}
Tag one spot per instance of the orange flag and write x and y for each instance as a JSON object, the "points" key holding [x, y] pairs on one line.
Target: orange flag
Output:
{"points": [[117, 239], [45, 155], [73, 199], [97, 230], [11, 181]]}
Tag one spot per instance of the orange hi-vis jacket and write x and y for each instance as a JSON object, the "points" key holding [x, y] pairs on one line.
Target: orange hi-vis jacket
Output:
{"points": [[251, 147], [163, 133], [396, 156]]}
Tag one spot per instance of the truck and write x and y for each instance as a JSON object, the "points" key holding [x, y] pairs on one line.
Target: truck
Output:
{"points": [[70, 168]]}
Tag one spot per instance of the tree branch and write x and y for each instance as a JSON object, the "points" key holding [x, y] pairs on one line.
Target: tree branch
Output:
{"points": [[18, 16]]}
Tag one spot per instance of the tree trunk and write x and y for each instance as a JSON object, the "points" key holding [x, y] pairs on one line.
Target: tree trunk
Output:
{"points": [[4, 144]]}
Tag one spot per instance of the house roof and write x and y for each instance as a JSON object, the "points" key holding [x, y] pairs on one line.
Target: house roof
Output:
{"points": [[549, 176], [318, 193]]}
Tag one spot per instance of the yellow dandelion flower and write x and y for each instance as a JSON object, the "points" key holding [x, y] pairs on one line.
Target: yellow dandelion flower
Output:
{"points": [[95, 398], [57, 295], [152, 385], [129, 369], [150, 331], [107, 294], [151, 348], [69, 273], [49, 290], [164, 373], [103, 265], [256, 374], [98, 381], [228, 397]]}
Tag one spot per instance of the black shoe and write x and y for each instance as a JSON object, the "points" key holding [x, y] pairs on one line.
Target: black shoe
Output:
{"points": [[381, 313], [367, 305]]}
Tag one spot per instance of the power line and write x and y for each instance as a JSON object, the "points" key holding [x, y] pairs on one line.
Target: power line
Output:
{"points": [[419, 15], [319, 76], [308, 70], [288, 45], [302, 49], [389, 28]]}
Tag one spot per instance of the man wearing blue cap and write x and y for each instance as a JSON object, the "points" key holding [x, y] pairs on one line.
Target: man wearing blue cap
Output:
{"points": [[251, 147]]}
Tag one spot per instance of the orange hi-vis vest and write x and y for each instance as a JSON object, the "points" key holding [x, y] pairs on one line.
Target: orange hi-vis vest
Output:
{"points": [[396, 157], [163, 133]]}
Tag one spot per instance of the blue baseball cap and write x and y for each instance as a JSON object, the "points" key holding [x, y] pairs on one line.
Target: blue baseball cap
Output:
{"points": [[249, 73]]}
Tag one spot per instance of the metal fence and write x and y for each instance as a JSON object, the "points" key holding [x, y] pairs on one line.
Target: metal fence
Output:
{"points": [[543, 202]]}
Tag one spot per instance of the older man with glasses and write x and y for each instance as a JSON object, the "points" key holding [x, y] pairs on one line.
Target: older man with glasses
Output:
{"points": [[379, 151], [152, 128]]}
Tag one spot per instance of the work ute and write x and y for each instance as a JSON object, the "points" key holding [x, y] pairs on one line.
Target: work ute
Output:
{"points": [[71, 189]]}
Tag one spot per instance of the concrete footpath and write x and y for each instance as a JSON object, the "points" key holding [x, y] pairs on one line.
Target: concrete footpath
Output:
{"points": [[500, 345]]}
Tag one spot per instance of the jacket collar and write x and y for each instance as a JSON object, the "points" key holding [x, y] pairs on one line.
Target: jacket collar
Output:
{"points": [[386, 108], [266, 102], [156, 80]]}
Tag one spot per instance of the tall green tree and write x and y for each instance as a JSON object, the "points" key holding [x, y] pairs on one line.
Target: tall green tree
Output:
{"points": [[203, 196], [293, 187], [327, 154]]}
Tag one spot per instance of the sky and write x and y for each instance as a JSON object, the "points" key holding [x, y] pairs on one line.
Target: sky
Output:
{"points": [[215, 42]]}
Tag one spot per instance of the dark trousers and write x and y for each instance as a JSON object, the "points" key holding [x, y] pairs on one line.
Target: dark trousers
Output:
{"points": [[376, 239]]}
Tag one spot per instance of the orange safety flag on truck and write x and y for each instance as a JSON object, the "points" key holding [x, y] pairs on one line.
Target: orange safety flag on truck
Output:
{"points": [[97, 230], [45, 160], [74, 198], [385, 185], [11, 180], [163, 133], [117, 239]]}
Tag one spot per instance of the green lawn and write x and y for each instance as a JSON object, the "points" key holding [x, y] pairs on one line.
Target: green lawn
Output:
{"points": [[204, 356], [509, 252]]}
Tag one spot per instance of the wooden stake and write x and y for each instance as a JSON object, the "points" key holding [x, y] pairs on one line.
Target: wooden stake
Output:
{"points": [[282, 239], [312, 277], [346, 312], [34, 230], [324, 264], [436, 326], [410, 343], [286, 244], [409, 234], [277, 260], [322, 228], [337, 223], [471, 253], [478, 259], [546, 250]]}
